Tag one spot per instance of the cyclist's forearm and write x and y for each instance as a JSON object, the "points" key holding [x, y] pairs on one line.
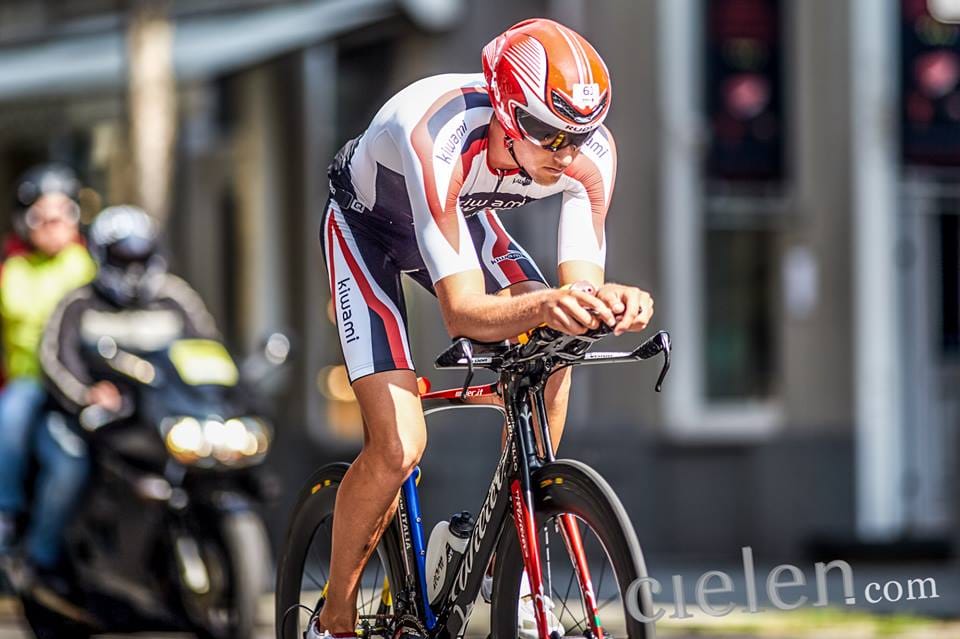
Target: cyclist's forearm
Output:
{"points": [[490, 318]]}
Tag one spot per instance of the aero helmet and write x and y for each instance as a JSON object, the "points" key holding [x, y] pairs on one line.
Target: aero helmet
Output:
{"points": [[544, 77]]}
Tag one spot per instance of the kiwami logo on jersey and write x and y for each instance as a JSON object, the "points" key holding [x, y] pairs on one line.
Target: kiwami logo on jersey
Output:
{"points": [[449, 149], [599, 148], [346, 323], [477, 201]]}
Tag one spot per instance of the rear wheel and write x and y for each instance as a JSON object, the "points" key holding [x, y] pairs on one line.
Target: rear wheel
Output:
{"points": [[305, 565], [612, 557]]}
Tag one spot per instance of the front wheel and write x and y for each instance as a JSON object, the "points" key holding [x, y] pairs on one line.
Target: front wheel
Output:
{"points": [[574, 504]]}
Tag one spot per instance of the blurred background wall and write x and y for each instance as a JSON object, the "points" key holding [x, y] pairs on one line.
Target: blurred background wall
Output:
{"points": [[787, 190]]}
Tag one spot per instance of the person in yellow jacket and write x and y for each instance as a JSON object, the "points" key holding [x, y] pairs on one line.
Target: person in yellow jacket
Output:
{"points": [[51, 263]]}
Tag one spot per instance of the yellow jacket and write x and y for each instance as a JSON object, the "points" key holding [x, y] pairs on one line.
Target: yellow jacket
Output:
{"points": [[31, 286]]}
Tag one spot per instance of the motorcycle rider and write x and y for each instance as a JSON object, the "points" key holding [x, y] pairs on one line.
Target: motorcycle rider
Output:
{"points": [[45, 261], [133, 303]]}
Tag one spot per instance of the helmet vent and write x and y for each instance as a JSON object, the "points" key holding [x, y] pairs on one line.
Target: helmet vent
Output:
{"points": [[566, 109]]}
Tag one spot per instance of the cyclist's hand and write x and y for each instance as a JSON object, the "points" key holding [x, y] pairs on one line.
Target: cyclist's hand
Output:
{"points": [[575, 312], [632, 306], [105, 395]]}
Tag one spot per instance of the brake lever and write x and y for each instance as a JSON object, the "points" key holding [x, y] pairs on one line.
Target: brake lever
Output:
{"points": [[659, 343], [664, 337]]}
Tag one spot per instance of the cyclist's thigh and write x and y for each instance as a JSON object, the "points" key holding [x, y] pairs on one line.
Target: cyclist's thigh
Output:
{"points": [[392, 412], [505, 263], [367, 296]]}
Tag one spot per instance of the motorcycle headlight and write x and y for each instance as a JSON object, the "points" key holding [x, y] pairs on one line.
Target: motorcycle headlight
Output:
{"points": [[239, 441], [185, 441]]}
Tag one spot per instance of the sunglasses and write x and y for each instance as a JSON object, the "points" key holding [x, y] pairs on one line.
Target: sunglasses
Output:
{"points": [[548, 137], [36, 220]]}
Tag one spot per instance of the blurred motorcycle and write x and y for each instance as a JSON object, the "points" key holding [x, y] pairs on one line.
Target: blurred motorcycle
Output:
{"points": [[169, 537]]}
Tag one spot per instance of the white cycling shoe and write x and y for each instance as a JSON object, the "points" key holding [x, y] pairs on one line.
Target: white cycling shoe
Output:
{"points": [[526, 614], [313, 633]]}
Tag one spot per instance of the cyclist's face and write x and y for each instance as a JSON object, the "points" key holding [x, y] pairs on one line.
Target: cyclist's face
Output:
{"points": [[543, 165]]}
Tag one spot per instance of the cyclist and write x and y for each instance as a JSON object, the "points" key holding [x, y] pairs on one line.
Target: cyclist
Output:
{"points": [[416, 193]]}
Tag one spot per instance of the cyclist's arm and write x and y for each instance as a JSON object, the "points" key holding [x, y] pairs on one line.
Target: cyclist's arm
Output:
{"points": [[579, 270], [469, 312], [581, 237]]}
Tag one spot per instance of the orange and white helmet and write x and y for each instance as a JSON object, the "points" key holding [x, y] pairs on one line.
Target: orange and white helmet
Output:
{"points": [[544, 77]]}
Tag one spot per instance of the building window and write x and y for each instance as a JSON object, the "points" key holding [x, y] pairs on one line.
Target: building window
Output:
{"points": [[744, 171], [744, 90], [739, 278], [930, 87]]}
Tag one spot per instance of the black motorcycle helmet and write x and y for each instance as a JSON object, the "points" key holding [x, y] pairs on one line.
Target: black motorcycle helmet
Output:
{"points": [[125, 243], [40, 180]]}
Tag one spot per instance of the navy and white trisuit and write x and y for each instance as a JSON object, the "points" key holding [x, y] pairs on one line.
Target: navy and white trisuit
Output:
{"points": [[415, 194]]}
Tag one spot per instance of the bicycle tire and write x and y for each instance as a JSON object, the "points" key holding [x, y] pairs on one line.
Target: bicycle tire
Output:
{"points": [[314, 509], [568, 486]]}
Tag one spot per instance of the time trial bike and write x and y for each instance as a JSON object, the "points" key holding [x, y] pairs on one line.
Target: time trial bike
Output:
{"points": [[554, 522]]}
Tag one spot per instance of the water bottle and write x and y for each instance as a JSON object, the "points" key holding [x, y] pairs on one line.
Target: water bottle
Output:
{"points": [[448, 541]]}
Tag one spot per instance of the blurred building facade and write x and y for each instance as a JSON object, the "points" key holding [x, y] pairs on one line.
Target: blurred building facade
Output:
{"points": [[801, 246]]}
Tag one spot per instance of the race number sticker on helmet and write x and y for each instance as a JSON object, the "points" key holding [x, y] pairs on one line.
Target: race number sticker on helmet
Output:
{"points": [[586, 95]]}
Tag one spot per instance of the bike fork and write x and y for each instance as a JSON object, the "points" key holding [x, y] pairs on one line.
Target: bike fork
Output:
{"points": [[530, 549], [571, 537], [568, 531]]}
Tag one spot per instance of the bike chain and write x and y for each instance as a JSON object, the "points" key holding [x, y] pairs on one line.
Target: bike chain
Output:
{"points": [[408, 625]]}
